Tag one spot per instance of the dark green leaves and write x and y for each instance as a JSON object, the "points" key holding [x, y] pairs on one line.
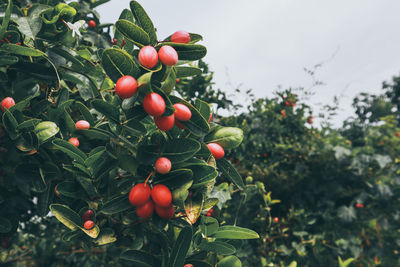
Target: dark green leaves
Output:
{"points": [[6, 18], [109, 110], [209, 225], [181, 247], [116, 205], [187, 71], [117, 63], [218, 247], [5, 225], [230, 173], [72, 151], [139, 258], [178, 150], [133, 32], [188, 51], [21, 50], [144, 21]]}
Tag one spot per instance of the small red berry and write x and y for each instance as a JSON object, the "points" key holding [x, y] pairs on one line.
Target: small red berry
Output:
{"points": [[163, 165], [82, 125], [148, 56], [114, 41], [359, 205], [165, 123], [7, 103], [165, 213], [139, 194], [126, 86], [180, 37], [276, 219], [188, 265], [287, 104], [310, 120], [88, 224], [123, 43], [74, 141], [216, 150], [168, 55], [92, 23], [154, 104], [177, 80], [161, 195], [146, 210], [209, 119], [87, 215], [182, 112]]}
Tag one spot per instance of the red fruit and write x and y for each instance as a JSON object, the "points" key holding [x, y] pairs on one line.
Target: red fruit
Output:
{"points": [[123, 43], [87, 215], [165, 213], [209, 119], [177, 80], [165, 123], [154, 104], [188, 265], [7, 103], [180, 37], [88, 224], [397, 134], [161, 195], [126, 86], [210, 212], [82, 125], [146, 210], [180, 125], [182, 112], [168, 55], [276, 219], [74, 141], [92, 23], [216, 150], [139, 194], [163, 165], [359, 205], [310, 120], [114, 41], [265, 155], [287, 104], [148, 56]]}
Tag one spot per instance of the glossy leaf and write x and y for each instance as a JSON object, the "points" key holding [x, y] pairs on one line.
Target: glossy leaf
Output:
{"points": [[235, 232], [188, 51], [144, 21], [109, 110], [66, 215], [133, 32], [181, 247], [218, 247], [178, 150], [117, 63], [230, 173], [230, 261]]}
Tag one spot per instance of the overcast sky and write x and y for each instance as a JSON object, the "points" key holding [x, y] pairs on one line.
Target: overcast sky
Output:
{"points": [[264, 44]]}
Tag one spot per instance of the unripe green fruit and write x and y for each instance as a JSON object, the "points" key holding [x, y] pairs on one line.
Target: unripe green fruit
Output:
{"points": [[249, 180], [45, 130], [227, 137]]}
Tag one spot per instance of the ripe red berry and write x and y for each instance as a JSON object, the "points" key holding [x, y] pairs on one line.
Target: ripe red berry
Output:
{"points": [[148, 56], [168, 55], [154, 104], [359, 205], [287, 104], [276, 219], [180, 37], [165, 213], [74, 141], [163, 165], [88, 224], [126, 86], [216, 150], [146, 210], [7, 103], [209, 119], [87, 215], [139, 194], [123, 43], [92, 23], [165, 123], [188, 265], [177, 80], [114, 41], [82, 125], [182, 112], [161, 195], [310, 120]]}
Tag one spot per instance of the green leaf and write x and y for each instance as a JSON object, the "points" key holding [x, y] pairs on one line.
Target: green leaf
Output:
{"points": [[230, 173], [230, 261], [66, 216], [88, 186], [109, 110], [46, 130], [44, 200], [5, 225], [135, 127], [85, 113], [345, 263], [21, 50], [115, 205], [188, 51], [139, 258], [197, 124], [10, 123], [202, 174], [235, 232], [31, 25], [8, 60], [95, 133], [181, 247], [6, 18], [144, 21], [147, 154], [182, 72], [293, 264], [133, 32], [117, 63], [178, 150], [71, 189], [69, 149], [208, 226], [227, 137], [218, 247], [107, 236]]}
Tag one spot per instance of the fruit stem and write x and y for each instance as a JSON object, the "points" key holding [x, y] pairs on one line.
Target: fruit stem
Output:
{"points": [[148, 177]]}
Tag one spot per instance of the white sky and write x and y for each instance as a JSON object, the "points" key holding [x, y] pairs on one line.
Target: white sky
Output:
{"points": [[262, 44]]}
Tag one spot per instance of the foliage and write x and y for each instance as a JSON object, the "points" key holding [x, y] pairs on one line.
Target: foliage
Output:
{"points": [[58, 72]]}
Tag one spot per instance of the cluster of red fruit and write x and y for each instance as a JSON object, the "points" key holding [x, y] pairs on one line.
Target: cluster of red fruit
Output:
{"points": [[210, 212], [158, 198], [87, 217], [359, 205]]}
